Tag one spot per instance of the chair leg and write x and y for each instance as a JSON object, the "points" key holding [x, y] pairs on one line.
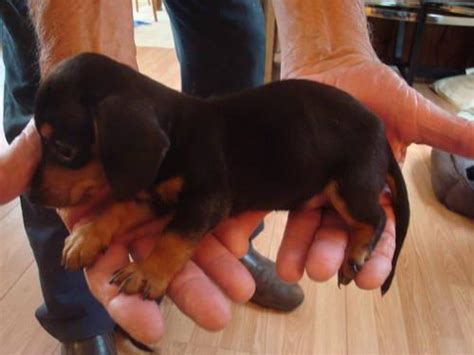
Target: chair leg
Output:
{"points": [[154, 7], [416, 46], [270, 26]]}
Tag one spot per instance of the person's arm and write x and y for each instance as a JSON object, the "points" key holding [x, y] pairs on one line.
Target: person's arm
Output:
{"points": [[65, 29], [312, 31], [329, 41]]}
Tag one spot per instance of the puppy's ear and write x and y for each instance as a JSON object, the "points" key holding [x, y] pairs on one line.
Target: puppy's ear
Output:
{"points": [[132, 144]]}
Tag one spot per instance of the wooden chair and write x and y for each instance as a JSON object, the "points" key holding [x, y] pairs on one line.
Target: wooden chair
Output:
{"points": [[155, 4], [270, 39]]}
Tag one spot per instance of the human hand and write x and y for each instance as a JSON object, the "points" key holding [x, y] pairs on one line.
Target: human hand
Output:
{"points": [[409, 118], [201, 290], [329, 43]]}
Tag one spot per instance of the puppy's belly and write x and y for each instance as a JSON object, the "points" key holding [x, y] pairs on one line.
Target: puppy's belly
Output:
{"points": [[271, 196]]}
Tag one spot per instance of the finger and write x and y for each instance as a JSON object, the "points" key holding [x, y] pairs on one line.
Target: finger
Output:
{"points": [[18, 163], [418, 119], [192, 290], [218, 263], [234, 232], [299, 232], [199, 298], [378, 267], [326, 254], [443, 130], [140, 318]]}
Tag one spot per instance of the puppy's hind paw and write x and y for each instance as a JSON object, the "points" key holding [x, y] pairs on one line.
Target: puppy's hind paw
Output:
{"points": [[348, 271]]}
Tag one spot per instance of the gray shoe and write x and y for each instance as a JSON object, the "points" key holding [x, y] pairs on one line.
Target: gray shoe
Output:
{"points": [[271, 291], [452, 178]]}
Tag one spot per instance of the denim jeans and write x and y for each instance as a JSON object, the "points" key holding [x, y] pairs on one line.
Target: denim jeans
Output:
{"points": [[220, 46]]}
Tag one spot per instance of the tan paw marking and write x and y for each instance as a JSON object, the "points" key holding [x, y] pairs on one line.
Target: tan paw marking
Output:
{"points": [[81, 248]]}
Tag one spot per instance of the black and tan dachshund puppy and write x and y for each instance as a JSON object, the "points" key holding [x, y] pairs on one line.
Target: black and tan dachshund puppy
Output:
{"points": [[271, 148]]}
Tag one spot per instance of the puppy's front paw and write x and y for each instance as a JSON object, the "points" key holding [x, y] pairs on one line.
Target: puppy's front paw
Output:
{"points": [[81, 248], [134, 278]]}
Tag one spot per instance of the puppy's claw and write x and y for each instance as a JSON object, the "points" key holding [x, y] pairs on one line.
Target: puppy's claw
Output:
{"points": [[146, 291], [354, 266], [115, 276], [132, 279], [343, 280], [124, 284]]}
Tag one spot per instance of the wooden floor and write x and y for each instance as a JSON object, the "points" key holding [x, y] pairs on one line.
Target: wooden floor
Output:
{"points": [[429, 310]]}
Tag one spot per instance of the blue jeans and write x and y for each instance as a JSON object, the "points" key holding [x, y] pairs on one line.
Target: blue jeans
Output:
{"points": [[220, 45]]}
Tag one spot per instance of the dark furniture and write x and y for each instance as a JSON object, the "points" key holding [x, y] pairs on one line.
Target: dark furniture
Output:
{"points": [[421, 13]]}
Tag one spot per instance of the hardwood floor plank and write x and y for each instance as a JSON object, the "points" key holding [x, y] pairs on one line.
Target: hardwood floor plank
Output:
{"points": [[464, 310], [389, 322], [361, 322], [7, 208], [20, 333], [15, 254], [330, 331]]}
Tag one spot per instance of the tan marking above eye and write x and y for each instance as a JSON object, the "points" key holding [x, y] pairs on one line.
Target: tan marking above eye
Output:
{"points": [[46, 130], [169, 189]]}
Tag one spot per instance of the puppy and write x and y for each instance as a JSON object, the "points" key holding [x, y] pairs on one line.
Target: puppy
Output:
{"points": [[271, 148]]}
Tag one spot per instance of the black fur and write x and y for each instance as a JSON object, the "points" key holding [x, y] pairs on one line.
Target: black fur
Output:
{"points": [[270, 148]]}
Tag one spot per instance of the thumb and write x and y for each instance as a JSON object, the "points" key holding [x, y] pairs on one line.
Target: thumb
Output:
{"points": [[18, 163], [441, 129]]}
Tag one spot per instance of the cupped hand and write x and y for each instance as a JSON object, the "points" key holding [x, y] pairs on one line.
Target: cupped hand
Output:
{"points": [[316, 237], [201, 290]]}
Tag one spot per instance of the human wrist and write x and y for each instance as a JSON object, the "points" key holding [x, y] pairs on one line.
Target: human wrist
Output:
{"points": [[315, 34], [89, 26]]}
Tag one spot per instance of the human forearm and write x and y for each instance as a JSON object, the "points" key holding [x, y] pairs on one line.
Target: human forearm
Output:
{"points": [[313, 31], [65, 29]]}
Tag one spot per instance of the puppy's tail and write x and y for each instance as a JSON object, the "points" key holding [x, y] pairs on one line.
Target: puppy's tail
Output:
{"points": [[402, 212]]}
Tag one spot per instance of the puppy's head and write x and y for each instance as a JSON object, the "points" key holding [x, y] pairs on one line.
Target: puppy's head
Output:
{"points": [[96, 131]]}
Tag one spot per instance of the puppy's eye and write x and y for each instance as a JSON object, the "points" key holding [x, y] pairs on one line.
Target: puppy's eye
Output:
{"points": [[66, 151]]}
